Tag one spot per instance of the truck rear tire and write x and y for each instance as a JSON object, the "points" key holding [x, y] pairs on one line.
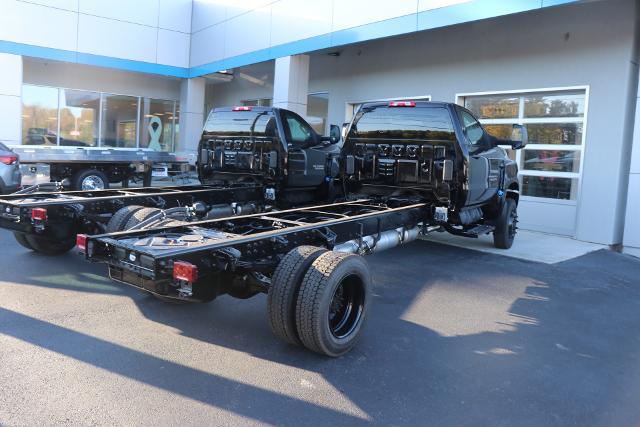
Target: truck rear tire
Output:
{"points": [[119, 219], [22, 240], [283, 293], [506, 225], [332, 303], [50, 247], [141, 216], [90, 179]]}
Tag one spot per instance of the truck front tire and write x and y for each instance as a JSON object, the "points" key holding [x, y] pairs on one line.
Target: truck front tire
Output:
{"points": [[332, 303], [506, 225], [283, 293]]}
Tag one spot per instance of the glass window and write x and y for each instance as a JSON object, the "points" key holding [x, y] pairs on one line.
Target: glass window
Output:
{"points": [[157, 124], [119, 116], [318, 112], [555, 133], [471, 127], [296, 129], [564, 104], [551, 160], [262, 102], [550, 187], [554, 122], [432, 123], [493, 107], [39, 115], [79, 112], [241, 123]]}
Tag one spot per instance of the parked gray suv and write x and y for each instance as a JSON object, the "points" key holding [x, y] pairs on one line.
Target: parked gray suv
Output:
{"points": [[10, 176]]}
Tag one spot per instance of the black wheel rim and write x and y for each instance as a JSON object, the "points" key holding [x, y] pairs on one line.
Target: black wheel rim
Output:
{"points": [[346, 307], [512, 223]]}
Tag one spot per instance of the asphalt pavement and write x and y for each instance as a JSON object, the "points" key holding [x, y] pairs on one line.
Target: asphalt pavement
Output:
{"points": [[455, 337]]}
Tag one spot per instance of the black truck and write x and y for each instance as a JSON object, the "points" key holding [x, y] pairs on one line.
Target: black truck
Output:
{"points": [[404, 169], [252, 159]]}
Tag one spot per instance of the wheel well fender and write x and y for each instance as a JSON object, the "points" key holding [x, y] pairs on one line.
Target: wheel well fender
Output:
{"points": [[513, 192]]}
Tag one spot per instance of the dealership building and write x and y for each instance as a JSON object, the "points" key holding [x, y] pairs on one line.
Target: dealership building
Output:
{"points": [[145, 73]]}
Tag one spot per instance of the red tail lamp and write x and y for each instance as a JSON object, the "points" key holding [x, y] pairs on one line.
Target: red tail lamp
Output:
{"points": [[185, 271]]}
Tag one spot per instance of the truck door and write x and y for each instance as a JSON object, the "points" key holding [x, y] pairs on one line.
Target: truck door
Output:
{"points": [[483, 177], [305, 154]]}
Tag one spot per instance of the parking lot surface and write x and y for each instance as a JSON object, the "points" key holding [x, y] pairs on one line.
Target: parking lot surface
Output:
{"points": [[455, 337]]}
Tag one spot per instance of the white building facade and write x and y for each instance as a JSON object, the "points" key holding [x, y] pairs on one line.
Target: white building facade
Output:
{"points": [[146, 73]]}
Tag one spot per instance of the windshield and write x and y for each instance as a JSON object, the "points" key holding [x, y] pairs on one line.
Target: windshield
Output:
{"points": [[3, 147], [428, 123], [241, 123]]}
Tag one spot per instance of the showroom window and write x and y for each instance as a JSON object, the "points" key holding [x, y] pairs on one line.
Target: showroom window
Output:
{"points": [[262, 102], [119, 116], [69, 117], [39, 115], [550, 165], [157, 124], [79, 111], [318, 111]]}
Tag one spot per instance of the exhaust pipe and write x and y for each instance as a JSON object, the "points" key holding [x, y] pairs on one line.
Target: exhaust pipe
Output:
{"points": [[386, 240]]}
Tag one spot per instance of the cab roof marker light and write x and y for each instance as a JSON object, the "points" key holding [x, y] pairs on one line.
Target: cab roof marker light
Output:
{"points": [[242, 108], [39, 214], [402, 104]]}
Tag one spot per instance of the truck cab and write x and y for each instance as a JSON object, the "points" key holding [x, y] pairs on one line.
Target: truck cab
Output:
{"points": [[269, 146], [437, 152]]}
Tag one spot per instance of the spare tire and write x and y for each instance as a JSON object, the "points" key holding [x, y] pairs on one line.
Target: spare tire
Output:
{"points": [[141, 216], [119, 219]]}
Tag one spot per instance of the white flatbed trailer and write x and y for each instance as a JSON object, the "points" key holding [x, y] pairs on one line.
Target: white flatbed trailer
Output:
{"points": [[93, 168]]}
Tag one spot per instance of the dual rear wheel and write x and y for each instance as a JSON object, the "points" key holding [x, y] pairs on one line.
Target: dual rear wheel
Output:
{"points": [[319, 299]]}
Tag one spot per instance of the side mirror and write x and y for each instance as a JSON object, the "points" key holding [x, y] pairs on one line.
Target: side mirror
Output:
{"points": [[334, 134], [519, 137]]}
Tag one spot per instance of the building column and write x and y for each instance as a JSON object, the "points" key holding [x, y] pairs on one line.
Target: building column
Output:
{"points": [[191, 114], [291, 83], [631, 241], [10, 99]]}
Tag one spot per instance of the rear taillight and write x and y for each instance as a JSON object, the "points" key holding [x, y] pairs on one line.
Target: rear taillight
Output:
{"points": [[8, 160], [39, 214], [241, 108], [81, 242], [402, 104], [185, 271]]}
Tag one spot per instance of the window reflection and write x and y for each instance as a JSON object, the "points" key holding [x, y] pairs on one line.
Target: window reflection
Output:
{"points": [[119, 116], [79, 118], [39, 115], [551, 160], [550, 187], [553, 119], [566, 104], [555, 133], [493, 107], [318, 112]]}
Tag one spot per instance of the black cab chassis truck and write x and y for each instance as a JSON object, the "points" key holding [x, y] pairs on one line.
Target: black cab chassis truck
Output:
{"points": [[406, 168], [251, 160]]}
